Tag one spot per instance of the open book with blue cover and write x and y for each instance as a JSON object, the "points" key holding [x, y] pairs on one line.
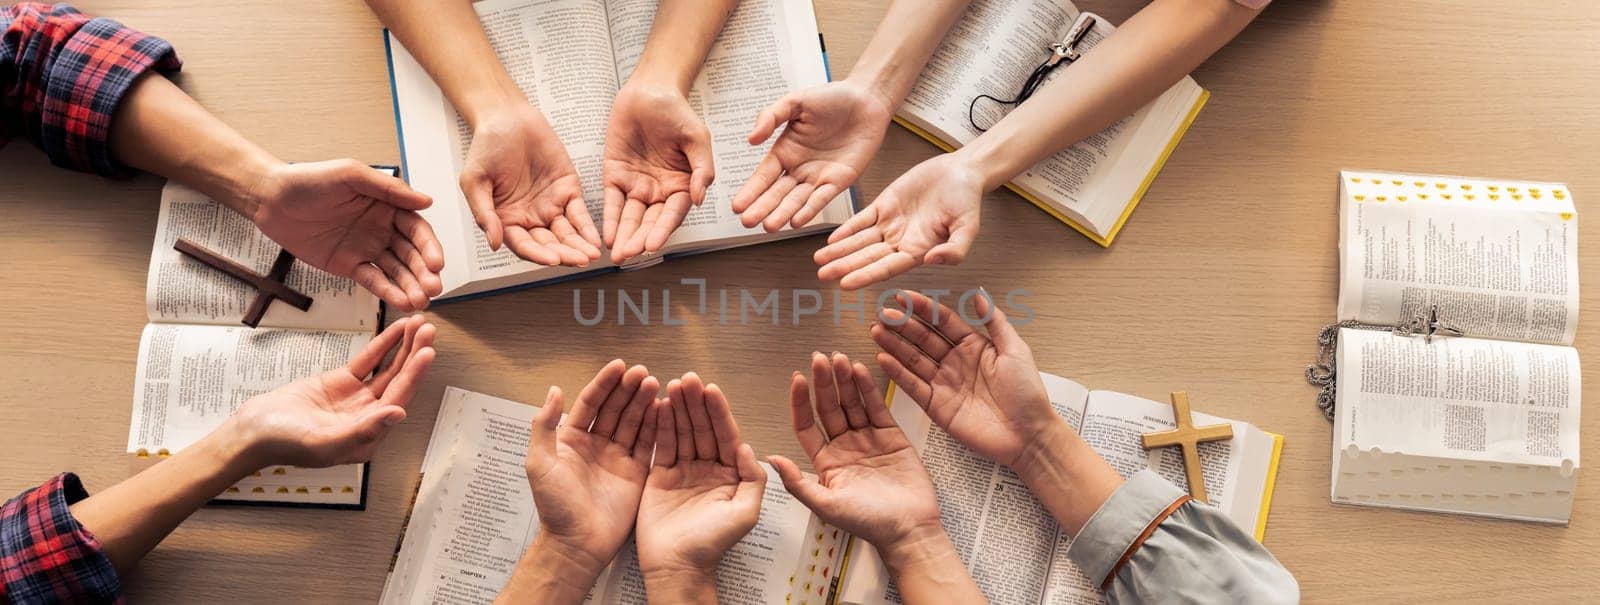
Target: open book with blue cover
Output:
{"points": [[570, 57]]}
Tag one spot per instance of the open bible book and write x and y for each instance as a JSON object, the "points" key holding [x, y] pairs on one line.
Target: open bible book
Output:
{"points": [[1091, 186], [474, 517], [197, 364], [570, 57], [1010, 542], [1484, 424]]}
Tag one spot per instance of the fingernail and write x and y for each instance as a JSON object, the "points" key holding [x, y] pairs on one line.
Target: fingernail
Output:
{"points": [[391, 421]]}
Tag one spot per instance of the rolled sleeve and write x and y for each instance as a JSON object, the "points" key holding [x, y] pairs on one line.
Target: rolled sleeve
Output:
{"points": [[46, 555], [62, 77], [1189, 553]]}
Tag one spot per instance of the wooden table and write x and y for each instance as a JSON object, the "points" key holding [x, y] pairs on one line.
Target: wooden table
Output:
{"points": [[1217, 286]]}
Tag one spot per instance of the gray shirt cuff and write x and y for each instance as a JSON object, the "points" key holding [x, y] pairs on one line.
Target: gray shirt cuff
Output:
{"points": [[1114, 527]]}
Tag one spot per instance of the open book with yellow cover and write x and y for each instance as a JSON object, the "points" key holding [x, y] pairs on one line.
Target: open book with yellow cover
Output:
{"points": [[1091, 186], [1010, 542]]}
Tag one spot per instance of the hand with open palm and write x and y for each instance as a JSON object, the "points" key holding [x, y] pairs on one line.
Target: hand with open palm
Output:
{"points": [[928, 215], [658, 163], [704, 491], [588, 472], [524, 191], [339, 416], [832, 131], [983, 390]]}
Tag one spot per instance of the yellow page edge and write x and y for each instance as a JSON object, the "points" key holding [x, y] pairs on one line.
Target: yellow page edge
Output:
{"points": [[1138, 195], [1272, 483]]}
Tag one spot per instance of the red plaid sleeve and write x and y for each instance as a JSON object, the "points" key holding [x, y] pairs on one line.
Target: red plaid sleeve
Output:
{"points": [[46, 556], [62, 76]]}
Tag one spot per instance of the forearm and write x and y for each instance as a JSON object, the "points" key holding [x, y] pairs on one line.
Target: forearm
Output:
{"points": [[160, 129], [131, 517], [927, 569], [551, 573], [1152, 50], [1067, 476], [904, 41], [695, 586], [447, 39], [680, 38]]}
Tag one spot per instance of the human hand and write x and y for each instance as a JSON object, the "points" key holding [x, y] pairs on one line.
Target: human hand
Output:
{"points": [[588, 472], [524, 192], [350, 220], [833, 130], [928, 215], [657, 164], [983, 390], [870, 481], [704, 491], [339, 416]]}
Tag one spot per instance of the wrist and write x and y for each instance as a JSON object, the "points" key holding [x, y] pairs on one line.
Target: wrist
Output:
{"points": [[1047, 453], [688, 584], [235, 452], [876, 87], [924, 543], [990, 159], [487, 102], [664, 78], [241, 176], [576, 562]]}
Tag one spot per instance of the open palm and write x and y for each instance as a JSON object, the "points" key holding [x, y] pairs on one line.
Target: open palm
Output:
{"points": [[658, 164], [928, 215], [341, 415], [870, 482], [832, 132], [524, 192], [587, 472], [983, 390]]}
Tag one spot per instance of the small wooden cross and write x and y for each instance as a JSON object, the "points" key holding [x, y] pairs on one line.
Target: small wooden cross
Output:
{"points": [[1189, 437], [271, 285]]}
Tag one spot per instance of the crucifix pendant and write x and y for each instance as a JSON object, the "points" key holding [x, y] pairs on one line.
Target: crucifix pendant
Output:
{"points": [[1189, 437], [270, 286]]}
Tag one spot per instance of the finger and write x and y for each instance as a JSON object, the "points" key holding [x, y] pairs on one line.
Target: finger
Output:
{"points": [[594, 394], [400, 275], [907, 354], [871, 398], [611, 213], [523, 244], [867, 217], [849, 245], [666, 432], [701, 164], [945, 320], [383, 187], [605, 424], [414, 261], [633, 416], [416, 229], [569, 256], [827, 397], [880, 270], [480, 198], [788, 207], [752, 480], [635, 243], [404, 386], [632, 215], [672, 214], [694, 400], [569, 235], [380, 381], [954, 249], [644, 441], [375, 281], [681, 422], [916, 332], [849, 396], [906, 380], [769, 200], [542, 437], [723, 426], [367, 359], [578, 215], [367, 431], [854, 261], [820, 198], [766, 173], [775, 115], [803, 488], [1000, 330], [803, 419]]}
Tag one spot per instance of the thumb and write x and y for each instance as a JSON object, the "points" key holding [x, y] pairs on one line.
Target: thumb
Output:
{"points": [[364, 434], [752, 479], [803, 488], [954, 250], [542, 438], [480, 199], [1004, 335], [703, 168], [380, 186], [781, 111]]}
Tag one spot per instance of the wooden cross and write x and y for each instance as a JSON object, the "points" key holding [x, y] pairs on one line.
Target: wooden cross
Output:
{"points": [[1189, 437], [270, 286]]}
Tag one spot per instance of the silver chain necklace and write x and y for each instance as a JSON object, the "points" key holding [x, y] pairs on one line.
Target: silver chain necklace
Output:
{"points": [[1322, 372]]}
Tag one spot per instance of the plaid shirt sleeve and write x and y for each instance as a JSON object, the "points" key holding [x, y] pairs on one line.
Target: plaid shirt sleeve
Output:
{"points": [[62, 76], [46, 556]]}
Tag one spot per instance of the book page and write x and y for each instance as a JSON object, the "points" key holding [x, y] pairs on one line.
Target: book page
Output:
{"points": [[1503, 268], [193, 377], [181, 289], [1002, 533], [1461, 398], [766, 49]]}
